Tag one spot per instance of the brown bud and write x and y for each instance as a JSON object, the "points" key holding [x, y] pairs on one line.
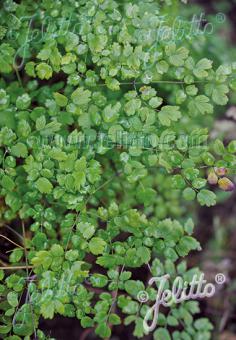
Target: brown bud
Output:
{"points": [[221, 171], [226, 184], [212, 178]]}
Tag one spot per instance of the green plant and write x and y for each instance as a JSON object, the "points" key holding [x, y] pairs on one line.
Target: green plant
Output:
{"points": [[89, 210]]}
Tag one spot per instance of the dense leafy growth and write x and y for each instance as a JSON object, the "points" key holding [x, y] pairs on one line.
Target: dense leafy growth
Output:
{"points": [[104, 143]]}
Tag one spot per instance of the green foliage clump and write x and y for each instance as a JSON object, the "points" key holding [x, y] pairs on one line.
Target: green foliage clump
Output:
{"points": [[104, 144]]}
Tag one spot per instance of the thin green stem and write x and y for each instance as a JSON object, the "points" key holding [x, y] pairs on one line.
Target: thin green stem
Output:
{"points": [[18, 76]]}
